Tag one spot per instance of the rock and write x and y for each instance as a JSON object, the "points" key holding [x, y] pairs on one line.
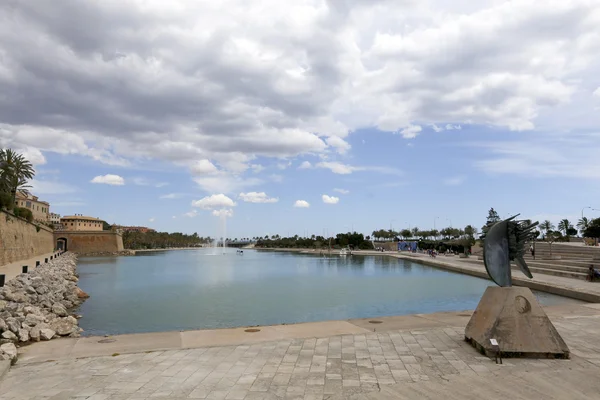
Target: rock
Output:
{"points": [[23, 335], [62, 326], [9, 350], [30, 290], [4, 341], [3, 326], [17, 297], [42, 289], [2, 305], [59, 310], [46, 334], [81, 294], [34, 334], [67, 304], [10, 336], [13, 325], [33, 319]]}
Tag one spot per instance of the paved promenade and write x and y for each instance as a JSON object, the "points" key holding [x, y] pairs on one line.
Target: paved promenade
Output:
{"points": [[419, 356], [13, 269]]}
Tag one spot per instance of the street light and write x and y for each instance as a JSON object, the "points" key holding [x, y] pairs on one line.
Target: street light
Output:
{"points": [[448, 219], [584, 209], [434, 222], [391, 229]]}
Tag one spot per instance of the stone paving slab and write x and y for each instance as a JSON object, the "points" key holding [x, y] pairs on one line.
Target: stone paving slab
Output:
{"points": [[390, 363]]}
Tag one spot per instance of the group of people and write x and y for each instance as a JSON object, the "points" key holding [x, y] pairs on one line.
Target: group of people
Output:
{"points": [[432, 253]]}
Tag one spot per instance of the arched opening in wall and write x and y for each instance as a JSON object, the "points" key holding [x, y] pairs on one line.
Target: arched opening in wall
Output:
{"points": [[61, 244]]}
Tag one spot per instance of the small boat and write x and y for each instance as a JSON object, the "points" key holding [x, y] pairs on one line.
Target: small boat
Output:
{"points": [[344, 252]]}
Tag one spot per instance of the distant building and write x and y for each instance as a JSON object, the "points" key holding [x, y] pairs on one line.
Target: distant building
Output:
{"points": [[141, 229], [54, 218], [81, 223], [39, 209]]}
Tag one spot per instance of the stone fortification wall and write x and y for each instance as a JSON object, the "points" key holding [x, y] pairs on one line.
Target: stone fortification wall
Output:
{"points": [[21, 240], [91, 242]]}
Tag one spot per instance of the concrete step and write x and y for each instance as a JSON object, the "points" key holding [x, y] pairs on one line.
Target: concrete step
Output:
{"points": [[568, 272]]}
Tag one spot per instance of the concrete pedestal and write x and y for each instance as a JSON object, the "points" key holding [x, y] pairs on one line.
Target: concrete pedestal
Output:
{"points": [[513, 317]]}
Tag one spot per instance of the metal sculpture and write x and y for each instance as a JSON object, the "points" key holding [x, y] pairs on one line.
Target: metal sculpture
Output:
{"points": [[504, 242]]}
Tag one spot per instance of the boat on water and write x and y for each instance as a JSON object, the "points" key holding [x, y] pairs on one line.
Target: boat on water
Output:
{"points": [[345, 252]]}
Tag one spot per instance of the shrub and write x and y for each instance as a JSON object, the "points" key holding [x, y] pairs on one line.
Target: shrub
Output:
{"points": [[6, 201], [24, 213]]}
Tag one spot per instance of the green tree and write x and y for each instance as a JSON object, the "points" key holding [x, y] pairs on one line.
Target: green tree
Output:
{"points": [[492, 217], [405, 233], [593, 229], [564, 225], [15, 172], [582, 224], [546, 227], [415, 232]]}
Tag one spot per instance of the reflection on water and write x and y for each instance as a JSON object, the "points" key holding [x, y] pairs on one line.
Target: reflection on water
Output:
{"points": [[194, 289]]}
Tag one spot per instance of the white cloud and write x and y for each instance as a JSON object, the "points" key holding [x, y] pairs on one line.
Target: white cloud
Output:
{"points": [[344, 169], [191, 214], [257, 197], [339, 144], [33, 155], [214, 201], [151, 219], [174, 217], [50, 187], [226, 183], [224, 212], [141, 181], [542, 156], [305, 165], [109, 179], [455, 180], [257, 168], [411, 131], [337, 167], [284, 166], [203, 167], [450, 127], [276, 178], [171, 196], [330, 199], [234, 86], [596, 92], [342, 191], [436, 128], [301, 204]]}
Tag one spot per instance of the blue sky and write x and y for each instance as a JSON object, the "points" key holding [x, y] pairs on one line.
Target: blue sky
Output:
{"points": [[165, 114]]}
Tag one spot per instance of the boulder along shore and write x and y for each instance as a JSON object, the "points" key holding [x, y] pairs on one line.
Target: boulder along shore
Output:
{"points": [[37, 305]]}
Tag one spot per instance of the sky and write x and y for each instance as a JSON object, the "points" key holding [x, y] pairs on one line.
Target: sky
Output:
{"points": [[305, 117]]}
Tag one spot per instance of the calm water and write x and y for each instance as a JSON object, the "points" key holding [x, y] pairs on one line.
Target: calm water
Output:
{"points": [[193, 289]]}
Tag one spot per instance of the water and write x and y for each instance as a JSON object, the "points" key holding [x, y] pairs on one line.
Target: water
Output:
{"points": [[195, 289]]}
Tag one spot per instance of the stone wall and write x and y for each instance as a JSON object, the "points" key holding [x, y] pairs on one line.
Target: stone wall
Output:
{"points": [[21, 240], [91, 242]]}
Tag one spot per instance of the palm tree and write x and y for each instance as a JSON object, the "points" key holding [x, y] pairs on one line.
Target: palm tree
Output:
{"points": [[564, 226], [583, 223], [15, 172], [546, 226], [415, 232]]}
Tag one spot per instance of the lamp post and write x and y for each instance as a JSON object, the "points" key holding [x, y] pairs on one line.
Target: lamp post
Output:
{"points": [[449, 220], [391, 228], [434, 222], [584, 209]]}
